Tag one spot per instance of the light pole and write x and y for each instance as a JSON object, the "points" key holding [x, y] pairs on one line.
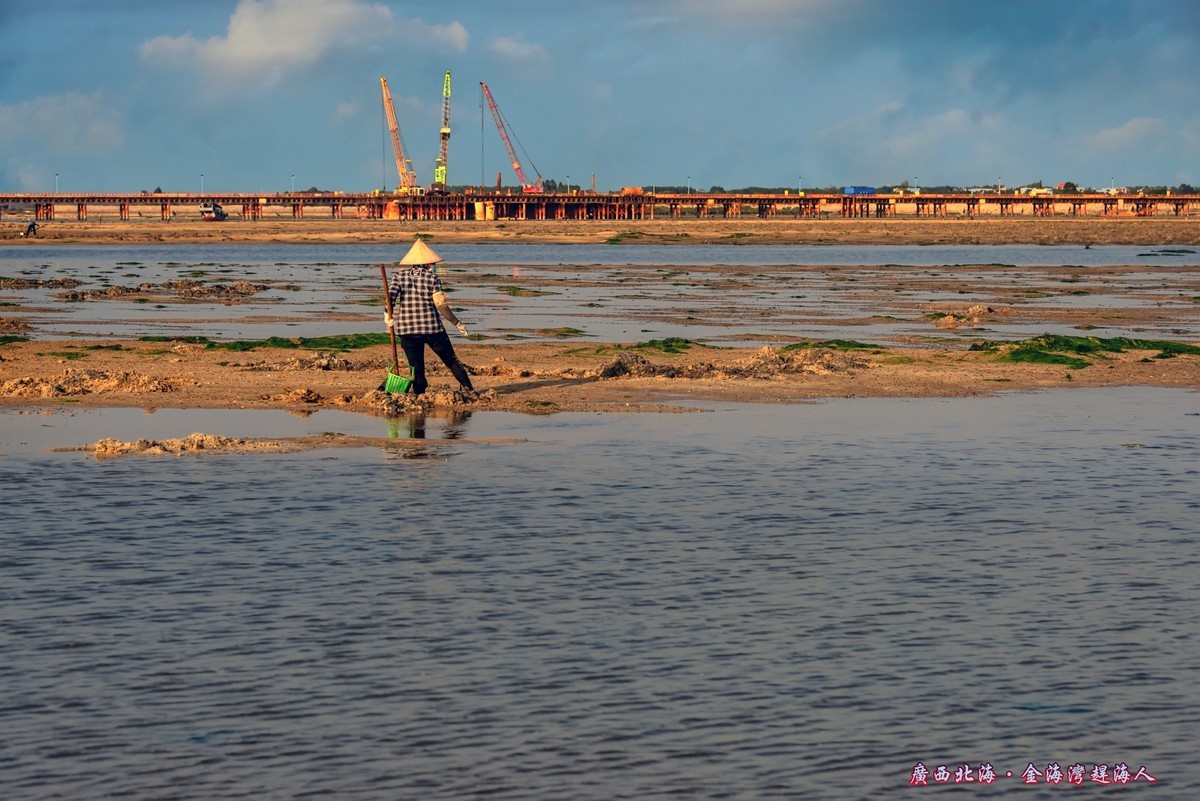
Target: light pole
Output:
{"points": [[689, 185], [800, 185], [293, 183], [56, 183], [202, 183], [568, 184]]}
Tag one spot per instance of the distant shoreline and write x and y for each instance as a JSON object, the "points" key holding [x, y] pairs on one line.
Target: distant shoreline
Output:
{"points": [[1083, 231]]}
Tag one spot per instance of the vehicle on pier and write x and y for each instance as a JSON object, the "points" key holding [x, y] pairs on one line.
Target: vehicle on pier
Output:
{"points": [[212, 212]]}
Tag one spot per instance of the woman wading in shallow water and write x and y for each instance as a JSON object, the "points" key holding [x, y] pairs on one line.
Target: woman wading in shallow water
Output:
{"points": [[417, 301]]}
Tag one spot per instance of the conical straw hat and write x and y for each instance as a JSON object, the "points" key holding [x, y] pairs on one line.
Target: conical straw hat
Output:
{"points": [[420, 253]]}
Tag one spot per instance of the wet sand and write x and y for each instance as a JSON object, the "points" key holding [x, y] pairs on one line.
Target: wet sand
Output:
{"points": [[1160, 230], [550, 377]]}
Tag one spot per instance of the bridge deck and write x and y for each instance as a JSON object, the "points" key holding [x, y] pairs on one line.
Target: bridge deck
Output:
{"points": [[589, 206]]}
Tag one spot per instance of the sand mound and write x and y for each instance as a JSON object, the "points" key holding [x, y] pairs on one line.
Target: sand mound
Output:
{"points": [[317, 361], [39, 283], [84, 382], [297, 395], [187, 288], [974, 315], [763, 364], [396, 405], [193, 443], [108, 293], [183, 289]]}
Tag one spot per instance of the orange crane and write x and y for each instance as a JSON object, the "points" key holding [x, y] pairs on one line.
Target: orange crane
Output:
{"points": [[408, 178], [439, 169], [512, 156]]}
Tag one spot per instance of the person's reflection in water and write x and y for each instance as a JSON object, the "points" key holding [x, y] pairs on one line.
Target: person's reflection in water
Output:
{"points": [[413, 427], [456, 424], [410, 427]]}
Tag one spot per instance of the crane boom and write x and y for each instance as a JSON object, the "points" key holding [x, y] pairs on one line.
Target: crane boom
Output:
{"points": [[512, 156], [439, 170], [408, 178]]}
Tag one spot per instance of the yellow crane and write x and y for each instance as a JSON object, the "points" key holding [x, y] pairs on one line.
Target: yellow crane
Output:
{"points": [[439, 169], [408, 178]]}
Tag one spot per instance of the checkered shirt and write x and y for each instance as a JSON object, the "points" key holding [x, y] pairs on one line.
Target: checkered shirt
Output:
{"points": [[411, 290]]}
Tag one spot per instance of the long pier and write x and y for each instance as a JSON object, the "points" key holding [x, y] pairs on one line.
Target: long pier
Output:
{"points": [[592, 206]]}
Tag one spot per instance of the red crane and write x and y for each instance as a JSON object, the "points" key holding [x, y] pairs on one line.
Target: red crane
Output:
{"points": [[512, 156]]}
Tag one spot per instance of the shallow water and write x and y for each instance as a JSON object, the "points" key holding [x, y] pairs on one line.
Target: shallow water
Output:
{"points": [[621, 293], [750, 602]]}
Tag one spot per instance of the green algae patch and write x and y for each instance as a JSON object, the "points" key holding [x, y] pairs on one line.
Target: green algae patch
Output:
{"points": [[668, 345], [1070, 350], [672, 345], [68, 356], [834, 344], [344, 341], [8, 339], [337, 342]]}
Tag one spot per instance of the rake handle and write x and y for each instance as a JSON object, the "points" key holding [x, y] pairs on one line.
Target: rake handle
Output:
{"points": [[387, 302]]}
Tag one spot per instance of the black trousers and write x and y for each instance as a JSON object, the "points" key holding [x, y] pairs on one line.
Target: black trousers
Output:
{"points": [[414, 350]]}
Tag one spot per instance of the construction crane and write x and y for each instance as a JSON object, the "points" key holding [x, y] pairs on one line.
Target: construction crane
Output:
{"points": [[408, 178], [512, 156], [439, 168]]}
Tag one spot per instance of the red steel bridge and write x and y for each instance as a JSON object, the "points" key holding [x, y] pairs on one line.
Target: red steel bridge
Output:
{"points": [[498, 205]]}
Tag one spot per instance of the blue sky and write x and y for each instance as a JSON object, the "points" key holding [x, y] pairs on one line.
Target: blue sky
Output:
{"points": [[126, 95]]}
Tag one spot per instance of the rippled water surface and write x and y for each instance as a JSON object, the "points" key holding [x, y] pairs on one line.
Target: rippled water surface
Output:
{"points": [[748, 602]]}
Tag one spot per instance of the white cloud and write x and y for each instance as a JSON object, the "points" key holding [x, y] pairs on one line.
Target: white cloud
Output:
{"points": [[518, 52], [1135, 130], [345, 111], [271, 37], [72, 124], [452, 34]]}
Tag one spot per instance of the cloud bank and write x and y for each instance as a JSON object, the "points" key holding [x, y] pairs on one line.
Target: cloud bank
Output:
{"points": [[272, 37]]}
